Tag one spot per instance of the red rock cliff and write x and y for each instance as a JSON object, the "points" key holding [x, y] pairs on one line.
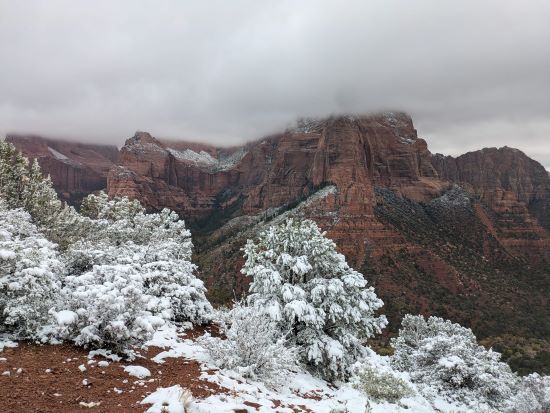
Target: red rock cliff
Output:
{"points": [[76, 169]]}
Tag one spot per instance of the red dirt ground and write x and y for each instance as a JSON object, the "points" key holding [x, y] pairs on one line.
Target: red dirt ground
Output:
{"points": [[33, 389]]}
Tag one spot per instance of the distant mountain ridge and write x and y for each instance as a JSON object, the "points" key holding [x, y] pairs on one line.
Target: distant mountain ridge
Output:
{"points": [[76, 169], [466, 237]]}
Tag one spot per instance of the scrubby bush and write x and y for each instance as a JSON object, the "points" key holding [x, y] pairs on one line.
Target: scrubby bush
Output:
{"points": [[112, 311], [380, 383], [308, 289], [532, 397], [30, 274], [253, 346], [444, 357], [133, 273], [158, 246]]}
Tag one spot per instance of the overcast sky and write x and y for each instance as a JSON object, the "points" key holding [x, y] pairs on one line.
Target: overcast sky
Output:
{"points": [[472, 73]]}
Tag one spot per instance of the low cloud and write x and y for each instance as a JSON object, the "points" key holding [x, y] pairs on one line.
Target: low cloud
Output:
{"points": [[472, 74]]}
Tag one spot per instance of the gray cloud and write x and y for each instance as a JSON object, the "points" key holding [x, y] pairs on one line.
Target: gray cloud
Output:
{"points": [[472, 73]]}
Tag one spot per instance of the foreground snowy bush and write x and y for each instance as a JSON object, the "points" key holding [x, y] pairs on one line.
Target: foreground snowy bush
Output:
{"points": [[444, 358], [254, 347], [111, 308], [532, 397], [158, 246], [30, 274], [306, 286]]}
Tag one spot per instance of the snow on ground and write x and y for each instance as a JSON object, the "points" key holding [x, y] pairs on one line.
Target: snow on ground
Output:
{"points": [[303, 391], [5, 341], [57, 155], [104, 353], [172, 399], [137, 371]]}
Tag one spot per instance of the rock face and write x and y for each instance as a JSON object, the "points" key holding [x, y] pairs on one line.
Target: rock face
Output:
{"points": [[197, 180], [76, 169], [466, 238]]}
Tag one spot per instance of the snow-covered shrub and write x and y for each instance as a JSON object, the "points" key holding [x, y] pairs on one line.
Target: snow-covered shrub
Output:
{"points": [[306, 286], [112, 310], [444, 357], [30, 274], [532, 397], [254, 346], [158, 246], [130, 274], [379, 383]]}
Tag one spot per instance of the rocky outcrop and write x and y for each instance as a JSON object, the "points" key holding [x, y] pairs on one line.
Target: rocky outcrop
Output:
{"points": [[197, 180], [516, 190], [76, 169]]}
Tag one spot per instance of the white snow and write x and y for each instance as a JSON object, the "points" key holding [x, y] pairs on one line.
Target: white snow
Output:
{"points": [[89, 404], [406, 141], [165, 399], [301, 390], [65, 317], [6, 343], [104, 353], [203, 158], [7, 255], [58, 155], [137, 371]]}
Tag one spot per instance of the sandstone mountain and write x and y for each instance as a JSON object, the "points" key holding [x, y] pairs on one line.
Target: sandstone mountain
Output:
{"points": [[466, 238]]}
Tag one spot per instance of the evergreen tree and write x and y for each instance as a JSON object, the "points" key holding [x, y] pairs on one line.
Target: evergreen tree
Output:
{"points": [[22, 185], [307, 287]]}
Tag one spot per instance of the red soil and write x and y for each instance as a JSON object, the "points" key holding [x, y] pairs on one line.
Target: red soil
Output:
{"points": [[61, 389]]}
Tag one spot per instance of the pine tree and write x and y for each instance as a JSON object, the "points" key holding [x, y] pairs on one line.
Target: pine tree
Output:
{"points": [[22, 185], [305, 285]]}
